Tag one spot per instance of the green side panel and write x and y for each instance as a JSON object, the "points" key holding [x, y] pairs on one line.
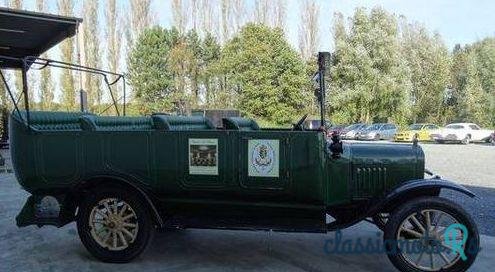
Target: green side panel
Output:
{"points": [[165, 154], [338, 178], [129, 153], [58, 157]]}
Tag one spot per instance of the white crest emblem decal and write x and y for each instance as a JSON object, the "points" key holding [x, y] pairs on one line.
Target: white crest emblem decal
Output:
{"points": [[263, 158]]}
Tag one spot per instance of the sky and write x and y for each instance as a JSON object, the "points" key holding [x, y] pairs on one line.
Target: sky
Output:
{"points": [[457, 21]]}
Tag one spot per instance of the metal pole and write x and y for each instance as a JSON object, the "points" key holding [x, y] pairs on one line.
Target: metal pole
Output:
{"points": [[112, 96], [322, 100], [25, 91], [10, 93], [123, 90], [321, 70]]}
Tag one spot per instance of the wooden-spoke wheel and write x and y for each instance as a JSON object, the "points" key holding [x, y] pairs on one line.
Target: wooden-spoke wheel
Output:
{"points": [[431, 234], [114, 225]]}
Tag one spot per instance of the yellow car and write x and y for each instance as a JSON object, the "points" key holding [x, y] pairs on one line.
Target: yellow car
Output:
{"points": [[421, 131]]}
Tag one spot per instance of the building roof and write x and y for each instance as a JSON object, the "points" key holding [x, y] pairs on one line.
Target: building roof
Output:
{"points": [[25, 33]]}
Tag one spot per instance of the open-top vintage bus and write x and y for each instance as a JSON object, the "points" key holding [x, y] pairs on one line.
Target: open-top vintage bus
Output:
{"points": [[122, 177]]}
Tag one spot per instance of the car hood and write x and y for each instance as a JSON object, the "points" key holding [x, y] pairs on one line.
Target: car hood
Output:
{"points": [[447, 131], [407, 132]]}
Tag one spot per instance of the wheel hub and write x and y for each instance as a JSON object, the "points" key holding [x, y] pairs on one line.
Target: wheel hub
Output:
{"points": [[113, 224]]}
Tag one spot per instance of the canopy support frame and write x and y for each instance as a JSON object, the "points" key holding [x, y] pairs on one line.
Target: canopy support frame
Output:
{"points": [[28, 62]]}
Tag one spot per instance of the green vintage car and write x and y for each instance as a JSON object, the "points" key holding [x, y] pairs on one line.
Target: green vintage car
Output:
{"points": [[121, 178]]}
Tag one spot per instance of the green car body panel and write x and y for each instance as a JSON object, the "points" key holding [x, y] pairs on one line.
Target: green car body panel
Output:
{"points": [[54, 156]]}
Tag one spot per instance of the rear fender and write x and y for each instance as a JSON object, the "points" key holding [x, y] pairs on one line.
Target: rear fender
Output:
{"points": [[102, 180]]}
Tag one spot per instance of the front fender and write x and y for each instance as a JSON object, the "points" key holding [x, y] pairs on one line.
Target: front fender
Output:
{"points": [[414, 188], [400, 194]]}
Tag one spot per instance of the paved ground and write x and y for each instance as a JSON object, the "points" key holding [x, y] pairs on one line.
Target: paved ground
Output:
{"points": [[51, 249]]}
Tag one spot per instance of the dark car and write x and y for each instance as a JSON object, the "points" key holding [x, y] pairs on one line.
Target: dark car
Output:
{"points": [[316, 124]]}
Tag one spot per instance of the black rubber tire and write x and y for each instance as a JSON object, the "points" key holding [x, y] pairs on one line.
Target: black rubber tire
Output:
{"points": [[439, 203], [466, 140], [145, 232]]}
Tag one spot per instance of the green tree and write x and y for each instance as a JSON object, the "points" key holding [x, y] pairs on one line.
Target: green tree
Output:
{"points": [[92, 83], [469, 100], [66, 8], [149, 74], [113, 36], [267, 74], [46, 81], [485, 65], [475, 106], [429, 63], [370, 78]]}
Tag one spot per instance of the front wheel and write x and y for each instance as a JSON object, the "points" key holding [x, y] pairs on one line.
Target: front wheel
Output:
{"points": [[114, 225], [431, 234]]}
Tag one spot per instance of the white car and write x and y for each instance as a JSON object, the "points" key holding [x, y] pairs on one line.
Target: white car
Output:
{"points": [[462, 133]]}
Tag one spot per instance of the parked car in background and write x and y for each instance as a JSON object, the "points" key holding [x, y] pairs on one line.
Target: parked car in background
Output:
{"points": [[316, 124], [420, 131], [492, 138], [462, 133], [337, 129], [379, 131], [351, 131]]}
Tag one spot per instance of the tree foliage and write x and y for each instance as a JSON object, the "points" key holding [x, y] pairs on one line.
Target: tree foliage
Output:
{"points": [[384, 67], [370, 77], [265, 72], [429, 63], [170, 71], [66, 8]]}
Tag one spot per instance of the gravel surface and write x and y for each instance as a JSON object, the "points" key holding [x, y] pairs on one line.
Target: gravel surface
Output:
{"points": [[473, 166]]}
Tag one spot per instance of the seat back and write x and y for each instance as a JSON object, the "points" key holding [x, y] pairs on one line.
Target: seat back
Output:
{"points": [[239, 123], [177, 123], [116, 123], [52, 120]]}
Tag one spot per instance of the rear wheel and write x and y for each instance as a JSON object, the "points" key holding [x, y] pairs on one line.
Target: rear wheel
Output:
{"points": [[114, 225], [466, 140], [431, 234]]}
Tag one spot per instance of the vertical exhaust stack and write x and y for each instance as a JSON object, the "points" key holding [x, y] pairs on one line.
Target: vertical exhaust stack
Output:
{"points": [[324, 59]]}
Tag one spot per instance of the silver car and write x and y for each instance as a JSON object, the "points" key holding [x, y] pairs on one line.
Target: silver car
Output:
{"points": [[350, 132], [379, 131]]}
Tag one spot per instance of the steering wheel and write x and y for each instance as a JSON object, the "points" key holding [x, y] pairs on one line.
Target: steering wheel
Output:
{"points": [[299, 124]]}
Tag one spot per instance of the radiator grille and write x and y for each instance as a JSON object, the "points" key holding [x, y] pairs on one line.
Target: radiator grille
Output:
{"points": [[368, 181]]}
